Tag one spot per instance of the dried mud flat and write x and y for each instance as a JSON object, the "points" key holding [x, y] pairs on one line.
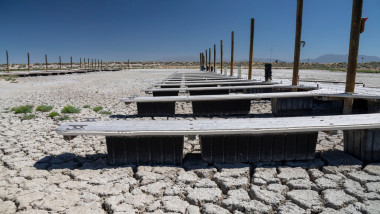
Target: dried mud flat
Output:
{"points": [[42, 173]]}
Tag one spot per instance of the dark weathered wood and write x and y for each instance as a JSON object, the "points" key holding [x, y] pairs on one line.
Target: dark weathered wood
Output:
{"points": [[232, 54], [206, 61], [46, 63], [156, 109], [60, 63], [251, 49], [297, 43], [221, 56], [209, 59], [71, 62], [80, 63], [357, 6], [214, 57], [6, 52], [28, 61], [363, 144]]}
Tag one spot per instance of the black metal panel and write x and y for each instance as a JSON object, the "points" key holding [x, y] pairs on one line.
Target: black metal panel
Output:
{"points": [[221, 107], [208, 92], [363, 144], [166, 150], [296, 106], [165, 93], [156, 109], [255, 148], [198, 86]]}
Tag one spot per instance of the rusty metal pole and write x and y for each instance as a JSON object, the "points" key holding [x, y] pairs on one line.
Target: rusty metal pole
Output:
{"points": [[46, 64], [251, 49], [28, 61], [214, 57], [232, 54], [221, 56], [297, 43], [357, 7], [7, 60]]}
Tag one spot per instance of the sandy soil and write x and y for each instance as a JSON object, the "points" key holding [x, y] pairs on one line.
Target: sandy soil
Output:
{"points": [[41, 173]]}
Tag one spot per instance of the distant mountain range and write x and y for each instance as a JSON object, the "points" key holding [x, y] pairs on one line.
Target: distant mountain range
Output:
{"points": [[327, 58], [333, 58]]}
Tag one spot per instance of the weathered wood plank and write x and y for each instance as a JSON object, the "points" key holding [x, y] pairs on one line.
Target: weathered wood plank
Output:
{"points": [[221, 126]]}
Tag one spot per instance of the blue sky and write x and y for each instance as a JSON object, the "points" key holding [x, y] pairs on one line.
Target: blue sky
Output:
{"points": [[151, 29]]}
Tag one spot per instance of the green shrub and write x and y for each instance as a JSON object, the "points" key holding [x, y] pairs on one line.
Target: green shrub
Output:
{"points": [[70, 109], [28, 117], [23, 109], [53, 114], [98, 108], [44, 108], [105, 112], [64, 117], [86, 106]]}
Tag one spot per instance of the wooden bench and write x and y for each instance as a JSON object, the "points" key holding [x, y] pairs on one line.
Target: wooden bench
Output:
{"points": [[230, 140], [250, 89], [212, 84]]}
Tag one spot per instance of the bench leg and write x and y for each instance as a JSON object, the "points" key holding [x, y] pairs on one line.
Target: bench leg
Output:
{"points": [[225, 107], [363, 144], [255, 148], [156, 109], [298, 106], [166, 150]]}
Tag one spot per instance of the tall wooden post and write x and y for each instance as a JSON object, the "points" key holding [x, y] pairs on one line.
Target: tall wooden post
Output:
{"points": [[80, 62], [232, 54], [297, 43], [46, 65], [251, 48], [60, 64], [221, 56], [88, 63], [92, 64], [129, 65], [200, 60], [206, 61], [357, 7], [101, 64], [6, 52], [28, 61], [214, 57], [209, 59], [71, 62]]}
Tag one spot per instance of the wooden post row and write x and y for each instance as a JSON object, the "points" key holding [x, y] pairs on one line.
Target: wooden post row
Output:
{"points": [[46, 64]]}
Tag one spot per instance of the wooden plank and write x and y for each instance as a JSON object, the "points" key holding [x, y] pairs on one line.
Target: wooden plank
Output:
{"points": [[221, 126], [266, 148], [206, 148], [230, 147], [230, 87], [311, 145], [220, 97], [290, 146], [218, 149], [301, 146], [242, 148], [278, 147]]}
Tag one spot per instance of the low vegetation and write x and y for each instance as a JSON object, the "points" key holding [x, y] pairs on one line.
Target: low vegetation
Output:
{"points": [[105, 112], [44, 108], [64, 117], [28, 117], [98, 108], [53, 114], [22, 109], [70, 110], [86, 106]]}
